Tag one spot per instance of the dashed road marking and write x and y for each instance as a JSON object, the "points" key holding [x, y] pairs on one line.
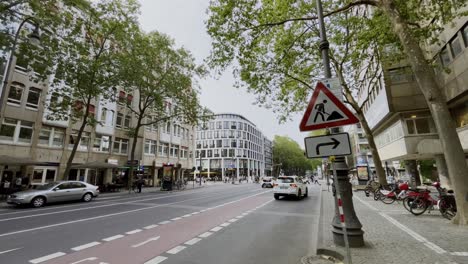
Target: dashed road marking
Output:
{"points": [[145, 242], [113, 238], [176, 218], [205, 235], [164, 222], [133, 231], [216, 229], [193, 241], [225, 224], [85, 246], [239, 217], [233, 220], [156, 260], [187, 215], [86, 259], [10, 250], [463, 254], [46, 258], [176, 250], [150, 226], [194, 213]]}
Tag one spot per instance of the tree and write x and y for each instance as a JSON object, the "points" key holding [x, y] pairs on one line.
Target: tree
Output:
{"points": [[161, 78], [293, 161], [413, 24], [88, 68], [280, 61]]}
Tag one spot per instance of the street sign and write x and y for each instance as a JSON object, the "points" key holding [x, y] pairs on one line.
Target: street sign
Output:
{"points": [[132, 162], [333, 84], [329, 145], [325, 110]]}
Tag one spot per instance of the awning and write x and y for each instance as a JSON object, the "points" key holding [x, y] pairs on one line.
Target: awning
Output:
{"points": [[9, 160], [95, 165]]}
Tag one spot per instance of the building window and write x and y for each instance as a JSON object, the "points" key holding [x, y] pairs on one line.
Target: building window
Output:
{"points": [[445, 56], [233, 125], [127, 121], [216, 153], [15, 94], [120, 146], [163, 149], [212, 126], [231, 153], [460, 114], [84, 142], [175, 151], [51, 136], [465, 35], [150, 147], [456, 46], [16, 131], [103, 115], [119, 121], [34, 95], [102, 143], [110, 117], [122, 97], [168, 128], [224, 153], [233, 143], [226, 143], [219, 143], [420, 126], [219, 125], [231, 133]]}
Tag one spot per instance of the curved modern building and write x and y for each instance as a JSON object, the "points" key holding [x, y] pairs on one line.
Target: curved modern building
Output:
{"points": [[230, 146]]}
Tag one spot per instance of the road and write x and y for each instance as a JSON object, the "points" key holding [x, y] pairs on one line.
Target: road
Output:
{"points": [[217, 224]]}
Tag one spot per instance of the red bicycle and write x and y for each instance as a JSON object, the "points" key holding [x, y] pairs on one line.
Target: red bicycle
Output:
{"points": [[445, 201]]}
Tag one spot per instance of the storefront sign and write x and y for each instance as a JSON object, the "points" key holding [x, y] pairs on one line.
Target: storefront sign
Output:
{"points": [[132, 162], [113, 161], [362, 173]]}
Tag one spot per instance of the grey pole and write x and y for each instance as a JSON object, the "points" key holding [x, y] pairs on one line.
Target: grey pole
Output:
{"points": [[353, 225]]}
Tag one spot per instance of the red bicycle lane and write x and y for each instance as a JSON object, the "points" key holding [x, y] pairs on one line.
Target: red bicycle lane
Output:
{"points": [[145, 245]]}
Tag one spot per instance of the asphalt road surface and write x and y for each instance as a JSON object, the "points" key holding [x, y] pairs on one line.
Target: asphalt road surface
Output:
{"points": [[220, 224]]}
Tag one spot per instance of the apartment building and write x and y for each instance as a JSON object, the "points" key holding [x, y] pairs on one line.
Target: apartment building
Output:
{"points": [[268, 149], [35, 147], [230, 146], [397, 111]]}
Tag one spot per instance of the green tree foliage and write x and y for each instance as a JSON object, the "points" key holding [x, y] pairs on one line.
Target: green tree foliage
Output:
{"points": [[162, 80], [293, 161]]}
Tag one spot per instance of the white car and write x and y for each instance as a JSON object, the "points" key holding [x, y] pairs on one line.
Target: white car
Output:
{"points": [[267, 182], [290, 186]]}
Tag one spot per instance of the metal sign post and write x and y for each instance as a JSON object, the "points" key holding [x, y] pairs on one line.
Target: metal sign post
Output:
{"points": [[342, 216]]}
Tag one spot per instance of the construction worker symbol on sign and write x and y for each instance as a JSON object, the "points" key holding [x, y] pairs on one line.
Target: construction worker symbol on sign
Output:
{"points": [[320, 111]]}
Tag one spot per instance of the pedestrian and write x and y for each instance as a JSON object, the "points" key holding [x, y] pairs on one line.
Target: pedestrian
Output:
{"points": [[315, 181], [139, 184]]}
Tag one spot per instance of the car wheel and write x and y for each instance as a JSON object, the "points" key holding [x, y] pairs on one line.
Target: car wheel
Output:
{"points": [[306, 193], [277, 196], [263, 185], [299, 194], [38, 202], [87, 197]]}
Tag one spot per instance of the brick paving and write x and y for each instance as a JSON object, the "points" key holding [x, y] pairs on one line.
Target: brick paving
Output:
{"points": [[429, 238]]}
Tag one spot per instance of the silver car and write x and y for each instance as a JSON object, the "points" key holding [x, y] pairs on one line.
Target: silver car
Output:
{"points": [[55, 192]]}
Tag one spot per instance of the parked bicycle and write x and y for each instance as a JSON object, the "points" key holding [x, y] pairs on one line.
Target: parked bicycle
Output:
{"points": [[180, 185], [445, 201]]}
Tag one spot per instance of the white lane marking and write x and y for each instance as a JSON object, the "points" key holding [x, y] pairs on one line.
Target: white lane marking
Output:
{"points": [[177, 218], [133, 231], [145, 242], [244, 214], [233, 220], [239, 217], [463, 254], [206, 234], [204, 210], [150, 227], [176, 250], [10, 250], [156, 260], [86, 259], [48, 257], [224, 224], [85, 246], [119, 213], [194, 213], [164, 222], [187, 215], [113, 238], [216, 229], [193, 241]]}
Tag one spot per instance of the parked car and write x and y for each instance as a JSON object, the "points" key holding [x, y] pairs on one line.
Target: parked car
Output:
{"points": [[290, 186], [55, 192], [267, 182]]}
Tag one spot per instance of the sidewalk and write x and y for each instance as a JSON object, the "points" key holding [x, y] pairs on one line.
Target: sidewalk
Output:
{"points": [[394, 235]]}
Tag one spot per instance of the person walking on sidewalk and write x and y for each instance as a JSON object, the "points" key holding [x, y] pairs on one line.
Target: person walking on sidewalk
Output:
{"points": [[139, 184], [314, 180]]}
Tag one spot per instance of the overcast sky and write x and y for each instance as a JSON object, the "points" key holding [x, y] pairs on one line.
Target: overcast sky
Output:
{"points": [[184, 20]]}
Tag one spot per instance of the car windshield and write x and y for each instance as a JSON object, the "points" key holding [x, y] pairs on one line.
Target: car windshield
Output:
{"points": [[47, 186], [285, 180]]}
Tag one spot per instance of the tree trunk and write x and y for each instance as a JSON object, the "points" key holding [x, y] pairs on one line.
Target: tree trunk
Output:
{"points": [[77, 142], [132, 153], [426, 79], [373, 147]]}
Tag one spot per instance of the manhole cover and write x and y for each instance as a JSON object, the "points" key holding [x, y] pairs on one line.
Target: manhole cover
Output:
{"points": [[320, 259]]}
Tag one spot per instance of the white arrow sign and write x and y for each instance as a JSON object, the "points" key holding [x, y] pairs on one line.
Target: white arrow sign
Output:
{"points": [[329, 145]]}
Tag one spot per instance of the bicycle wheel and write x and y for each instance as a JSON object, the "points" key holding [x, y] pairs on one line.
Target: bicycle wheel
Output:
{"points": [[377, 194], [419, 206], [447, 209], [408, 202], [388, 200]]}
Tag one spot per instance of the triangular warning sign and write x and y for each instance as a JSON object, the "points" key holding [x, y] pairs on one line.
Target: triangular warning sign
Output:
{"points": [[325, 110]]}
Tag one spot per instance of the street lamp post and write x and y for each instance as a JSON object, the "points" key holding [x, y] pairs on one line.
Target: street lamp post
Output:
{"points": [[34, 38], [343, 186]]}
